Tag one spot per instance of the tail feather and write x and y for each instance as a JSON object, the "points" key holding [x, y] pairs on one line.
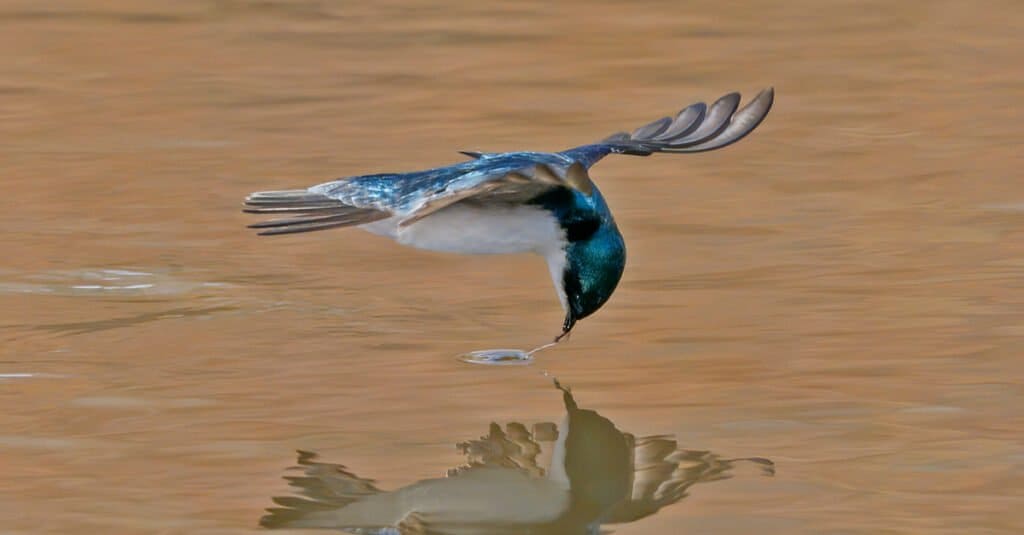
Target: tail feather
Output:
{"points": [[312, 211], [285, 208]]}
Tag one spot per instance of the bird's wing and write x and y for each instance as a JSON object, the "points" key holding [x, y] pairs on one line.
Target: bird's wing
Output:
{"points": [[500, 177], [501, 184], [663, 473], [503, 178], [696, 128]]}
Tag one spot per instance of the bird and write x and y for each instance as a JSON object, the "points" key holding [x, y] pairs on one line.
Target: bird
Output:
{"points": [[513, 202], [572, 478]]}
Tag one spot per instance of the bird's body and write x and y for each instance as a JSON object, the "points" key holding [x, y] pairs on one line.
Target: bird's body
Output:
{"points": [[465, 227], [513, 202]]}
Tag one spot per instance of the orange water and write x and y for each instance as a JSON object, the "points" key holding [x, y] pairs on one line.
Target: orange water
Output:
{"points": [[841, 292]]}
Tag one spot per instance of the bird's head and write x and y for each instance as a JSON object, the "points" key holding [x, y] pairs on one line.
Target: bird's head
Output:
{"points": [[595, 257], [591, 257]]}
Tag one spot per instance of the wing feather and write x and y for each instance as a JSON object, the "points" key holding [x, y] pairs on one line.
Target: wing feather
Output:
{"points": [[504, 185], [686, 121], [696, 128], [501, 177], [433, 205]]}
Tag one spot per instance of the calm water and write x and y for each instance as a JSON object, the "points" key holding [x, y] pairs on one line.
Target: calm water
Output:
{"points": [[840, 293]]}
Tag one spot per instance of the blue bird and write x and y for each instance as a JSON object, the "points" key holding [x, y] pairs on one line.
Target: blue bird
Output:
{"points": [[513, 202]]}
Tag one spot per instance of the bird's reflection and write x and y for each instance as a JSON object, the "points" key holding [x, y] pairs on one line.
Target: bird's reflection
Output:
{"points": [[517, 480]]}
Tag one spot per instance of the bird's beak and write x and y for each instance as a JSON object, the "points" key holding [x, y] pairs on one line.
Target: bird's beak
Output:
{"points": [[570, 322]]}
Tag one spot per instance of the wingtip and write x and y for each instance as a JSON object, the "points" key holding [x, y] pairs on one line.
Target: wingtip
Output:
{"points": [[768, 95], [729, 97], [697, 127]]}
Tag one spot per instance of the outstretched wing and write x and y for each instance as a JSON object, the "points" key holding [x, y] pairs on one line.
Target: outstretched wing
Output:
{"points": [[500, 177], [696, 128], [510, 177]]}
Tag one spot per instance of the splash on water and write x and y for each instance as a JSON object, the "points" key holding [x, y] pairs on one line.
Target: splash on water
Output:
{"points": [[498, 357], [503, 357]]}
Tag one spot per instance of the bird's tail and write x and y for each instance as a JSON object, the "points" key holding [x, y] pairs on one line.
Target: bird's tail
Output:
{"points": [[331, 496], [306, 211]]}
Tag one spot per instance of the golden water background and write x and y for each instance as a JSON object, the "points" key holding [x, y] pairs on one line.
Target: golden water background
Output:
{"points": [[841, 292]]}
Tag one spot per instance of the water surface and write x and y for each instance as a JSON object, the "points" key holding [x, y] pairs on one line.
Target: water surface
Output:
{"points": [[839, 293]]}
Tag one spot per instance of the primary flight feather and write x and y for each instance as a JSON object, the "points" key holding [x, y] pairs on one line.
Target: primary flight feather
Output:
{"points": [[513, 202]]}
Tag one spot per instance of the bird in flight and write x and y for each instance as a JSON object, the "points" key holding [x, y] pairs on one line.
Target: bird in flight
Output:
{"points": [[513, 202]]}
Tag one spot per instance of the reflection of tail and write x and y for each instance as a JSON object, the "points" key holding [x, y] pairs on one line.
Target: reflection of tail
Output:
{"points": [[327, 490]]}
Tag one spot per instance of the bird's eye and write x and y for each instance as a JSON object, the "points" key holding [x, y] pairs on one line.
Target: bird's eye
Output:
{"points": [[581, 230]]}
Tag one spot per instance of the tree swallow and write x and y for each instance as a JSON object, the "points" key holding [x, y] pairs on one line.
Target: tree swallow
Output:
{"points": [[513, 202]]}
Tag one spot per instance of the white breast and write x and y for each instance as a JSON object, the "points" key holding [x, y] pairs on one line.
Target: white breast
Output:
{"points": [[469, 229]]}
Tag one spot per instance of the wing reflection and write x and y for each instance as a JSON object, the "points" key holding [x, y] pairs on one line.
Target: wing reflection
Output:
{"points": [[542, 480]]}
